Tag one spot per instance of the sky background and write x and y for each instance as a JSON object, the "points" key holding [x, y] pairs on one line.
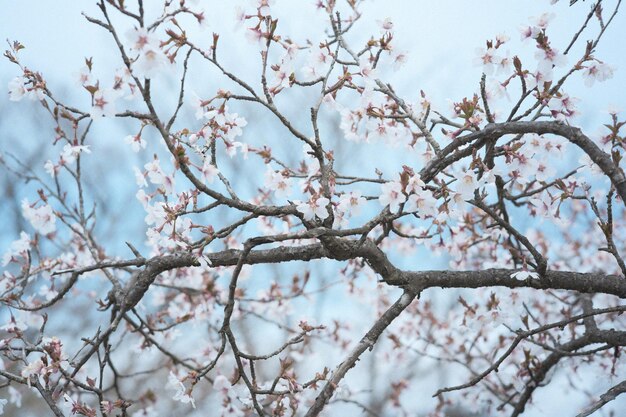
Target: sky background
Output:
{"points": [[440, 37]]}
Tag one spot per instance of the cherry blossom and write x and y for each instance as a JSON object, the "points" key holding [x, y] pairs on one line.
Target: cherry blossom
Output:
{"points": [[545, 171], [181, 393], [140, 178], [151, 59], [209, 172], [17, 248], [41, 218], [318, 61], [155, 173], [70, 153], [542, 21], [278, 183], [522, 168], [351, 203], [34, 368], [524, 274], [391, 195], [136, 142], [487, 58], [563, 107], [415, 184], [597, 71], [549, 58], [15, 397], [282, 75], [466, 184], [398, 58], [50, 168], [150, 63], [103, 104], [386, 24], [423, 203], [529, 32], [140, 39], [17, 90], [315, 206], [84, 76]]}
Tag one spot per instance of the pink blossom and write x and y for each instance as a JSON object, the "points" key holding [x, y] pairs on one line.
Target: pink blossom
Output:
{"points": [[282, 74], [169, 184], [240, 17], [35, 368], [255, 35], [15, 397], [316, 206], [150, 62], [157, 215], [318, 62], [487, 58], [597, 71], [136, 142], [84, 77], [41, 218], [398, 58], [415, 184], [423, 203], [209, 171], [103, 104], [50, 168], [140, 178], [385, 25], [466, 183], [545, 171], [351, 203], [276, 181], [543, 20], [563, 107], [181, 394], [392, 195], [529, 32], [549, 57], [140, 39], [155, 173], [522, 168], [17, 90], [18, 247], [70, 153], [524, 274]]}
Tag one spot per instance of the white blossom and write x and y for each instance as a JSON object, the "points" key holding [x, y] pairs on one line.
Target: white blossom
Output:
{"points": [[524, 274], [351, 203], [392, 196], [313, 207], [41, 218], [17, 90], [17, 248], [136, 142], [103, 104], [597, 71], [70, 153], [181, 393]]}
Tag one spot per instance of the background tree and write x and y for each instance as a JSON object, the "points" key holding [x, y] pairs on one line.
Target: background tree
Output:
{"points": [[208, 314]]}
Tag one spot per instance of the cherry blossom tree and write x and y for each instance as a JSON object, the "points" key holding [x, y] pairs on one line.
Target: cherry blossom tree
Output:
{"points": [[211, 311]]}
